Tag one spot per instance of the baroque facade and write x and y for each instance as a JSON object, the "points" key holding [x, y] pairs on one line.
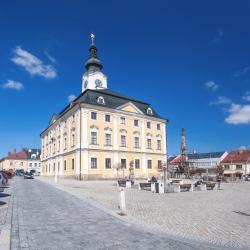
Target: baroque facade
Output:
{"points": [[103, 134]]}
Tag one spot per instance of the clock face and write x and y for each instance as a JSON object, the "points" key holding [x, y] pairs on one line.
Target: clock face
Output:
{"points": [[98, 83], [85, 84]]}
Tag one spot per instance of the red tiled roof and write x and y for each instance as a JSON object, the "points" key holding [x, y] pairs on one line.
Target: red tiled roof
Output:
{"points": [[176, 160], [237, 156], [17, 155]]}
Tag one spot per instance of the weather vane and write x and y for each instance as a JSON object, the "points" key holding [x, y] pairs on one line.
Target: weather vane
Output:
{"points": [[92, 36]]}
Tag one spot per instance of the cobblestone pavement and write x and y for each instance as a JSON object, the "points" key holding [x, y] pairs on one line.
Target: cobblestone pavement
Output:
{"points": [[219, 217], [44, 217]]}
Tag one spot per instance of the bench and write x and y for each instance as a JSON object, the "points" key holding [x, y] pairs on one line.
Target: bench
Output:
{"points": [[185, 187], [210, 185], [145, 186], [121, 183]]}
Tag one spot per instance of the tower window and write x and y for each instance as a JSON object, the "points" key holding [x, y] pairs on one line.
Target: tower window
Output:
{"points": [[158, 126], [148, 124]]}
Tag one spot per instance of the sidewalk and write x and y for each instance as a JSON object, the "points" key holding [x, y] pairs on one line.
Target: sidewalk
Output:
{"points": [[5, 217]]}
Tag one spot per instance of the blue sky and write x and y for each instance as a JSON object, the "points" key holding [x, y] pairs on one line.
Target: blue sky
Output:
{"points": [[189, 59]]}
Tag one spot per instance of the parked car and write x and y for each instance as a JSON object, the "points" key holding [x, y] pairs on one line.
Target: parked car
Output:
{"points": [[28, 176], [19, 172], [247, 178]]}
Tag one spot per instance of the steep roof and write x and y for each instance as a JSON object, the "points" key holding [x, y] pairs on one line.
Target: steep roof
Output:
{"points": [[22, 155], [32, 151], [239, 156], [176, 160], [197, 156], [112, 100]]}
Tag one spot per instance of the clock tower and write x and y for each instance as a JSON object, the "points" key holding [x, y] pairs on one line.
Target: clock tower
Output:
{"points": [[93, 78]]}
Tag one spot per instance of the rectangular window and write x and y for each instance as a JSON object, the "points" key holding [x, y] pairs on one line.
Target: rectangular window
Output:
{"points": [[149, 164], [136, 142], [238, 166], [107, 139], [149, 144], [58, 166], [93, 115], [35, 164], [158, 126], [123, 163], [136, 123], [73, 140], [73, 164], [108, 163], [54, 167], [122, 120], [159, 144], [30, 164], [148, 124], [137, 163], [94, 163], [107, 118], [227, 167], [65, 165], [159, 164], [123, 140], [94, 138]]}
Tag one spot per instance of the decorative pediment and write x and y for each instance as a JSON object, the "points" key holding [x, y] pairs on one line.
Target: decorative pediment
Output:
{"points": [[129, 107], [93, 128], [123, 131], [53, 119], [107, 129]]}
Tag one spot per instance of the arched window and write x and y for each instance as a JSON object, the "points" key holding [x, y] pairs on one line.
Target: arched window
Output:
{"points": [[100, 100], [149, 111]]}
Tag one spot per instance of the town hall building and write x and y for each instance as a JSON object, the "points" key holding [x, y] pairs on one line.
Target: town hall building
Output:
{"points": [[103, 134]]}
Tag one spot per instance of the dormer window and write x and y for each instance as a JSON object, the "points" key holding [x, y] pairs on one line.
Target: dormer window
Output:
{"points": [[149, 111], [100, 100]]}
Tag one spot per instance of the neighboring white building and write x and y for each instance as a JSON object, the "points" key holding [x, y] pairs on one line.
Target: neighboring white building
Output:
{"points": [[237, 164], [34, 161], [208, 161]]}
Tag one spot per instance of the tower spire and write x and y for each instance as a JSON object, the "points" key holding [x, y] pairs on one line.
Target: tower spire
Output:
{"points": [[93, 63], [183, 146]]}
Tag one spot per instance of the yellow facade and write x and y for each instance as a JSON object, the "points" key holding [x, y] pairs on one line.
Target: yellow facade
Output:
{"points": [[62, 144]]}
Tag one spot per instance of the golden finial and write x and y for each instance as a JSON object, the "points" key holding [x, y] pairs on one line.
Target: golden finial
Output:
{"points": [[92, 36]]}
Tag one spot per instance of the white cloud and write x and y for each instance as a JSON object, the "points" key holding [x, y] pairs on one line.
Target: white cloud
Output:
{"points": [[221, 100], [212, 85], [50, 57], [71, 98], [246, 97], [32, 64], [10, 84], [242, 71], [217, 38], [238, 114], [242, 148]]}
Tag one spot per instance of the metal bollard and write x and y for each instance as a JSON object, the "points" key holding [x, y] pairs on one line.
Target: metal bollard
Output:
{"points": [[56, 178], [122, 201]]}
